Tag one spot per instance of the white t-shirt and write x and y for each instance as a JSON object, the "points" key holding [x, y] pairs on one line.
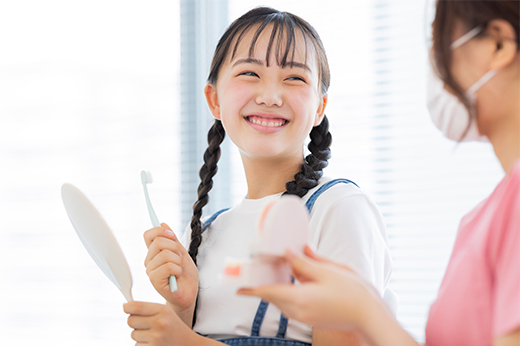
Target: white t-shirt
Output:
{"points": [[346, 226]]}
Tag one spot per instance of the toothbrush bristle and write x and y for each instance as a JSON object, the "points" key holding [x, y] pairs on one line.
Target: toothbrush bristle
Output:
{"points": [[149, 177], [146, 177]]}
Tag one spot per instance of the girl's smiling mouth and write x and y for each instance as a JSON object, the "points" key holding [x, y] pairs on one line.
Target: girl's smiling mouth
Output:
{"points": [[266, 122]]}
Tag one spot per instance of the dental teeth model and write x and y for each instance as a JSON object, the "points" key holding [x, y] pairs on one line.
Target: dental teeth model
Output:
{"points": [[283, 224]]}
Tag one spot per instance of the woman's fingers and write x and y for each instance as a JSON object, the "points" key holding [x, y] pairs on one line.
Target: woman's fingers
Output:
{"points": [[311, 253], [304, 268], [288, 298], [271, 293]]}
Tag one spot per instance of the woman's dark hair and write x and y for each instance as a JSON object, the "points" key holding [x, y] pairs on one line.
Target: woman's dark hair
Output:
{"points": [[284, 29], [472, 14]]}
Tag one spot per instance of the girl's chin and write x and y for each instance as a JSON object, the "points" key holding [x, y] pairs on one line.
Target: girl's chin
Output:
{"points": [[270, 152]]}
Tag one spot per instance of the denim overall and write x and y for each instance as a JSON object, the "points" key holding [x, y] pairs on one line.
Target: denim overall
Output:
{"points": [[279, 340]]}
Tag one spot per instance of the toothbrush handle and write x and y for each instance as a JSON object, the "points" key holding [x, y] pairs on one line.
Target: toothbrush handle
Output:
{"points": [[155, 222], [173, 283], [151, 212]]}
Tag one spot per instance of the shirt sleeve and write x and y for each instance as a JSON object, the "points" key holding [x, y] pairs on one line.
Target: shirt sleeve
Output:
{"points": [[506, 280], [353, 232]]}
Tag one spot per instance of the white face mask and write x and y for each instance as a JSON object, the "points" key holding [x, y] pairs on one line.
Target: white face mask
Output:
{"points": [[448, 113]]}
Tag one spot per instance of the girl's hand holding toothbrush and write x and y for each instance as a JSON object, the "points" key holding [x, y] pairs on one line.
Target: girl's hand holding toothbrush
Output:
{"points": [[166, 256]]}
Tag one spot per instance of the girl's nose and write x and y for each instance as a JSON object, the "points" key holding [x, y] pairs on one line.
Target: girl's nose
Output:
{"points": [[269, 95]]}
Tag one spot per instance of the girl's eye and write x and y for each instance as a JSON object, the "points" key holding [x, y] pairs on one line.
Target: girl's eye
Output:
{"points": [[296, 78], [248, 73]]}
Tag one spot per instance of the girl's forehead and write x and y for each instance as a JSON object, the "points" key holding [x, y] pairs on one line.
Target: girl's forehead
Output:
{"points": [[281, 48]]}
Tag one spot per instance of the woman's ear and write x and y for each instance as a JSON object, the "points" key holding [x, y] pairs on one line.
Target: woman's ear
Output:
{"points": [[504, 37], [212, 99], [321, 110]]}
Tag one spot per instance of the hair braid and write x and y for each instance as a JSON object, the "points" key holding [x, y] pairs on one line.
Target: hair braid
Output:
{"points": [[208, 170], [314, 163]]}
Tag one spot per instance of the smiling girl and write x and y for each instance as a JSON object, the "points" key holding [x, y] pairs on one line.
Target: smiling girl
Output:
{"points": [[267, 90]]}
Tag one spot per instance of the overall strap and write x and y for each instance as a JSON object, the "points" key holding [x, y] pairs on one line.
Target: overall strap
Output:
{"points": [[323, 188], [282, 326], [212, 218], [259, 318]]}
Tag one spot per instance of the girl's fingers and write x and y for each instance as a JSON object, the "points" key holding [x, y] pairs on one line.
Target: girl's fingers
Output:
{"points": [[165, 256], [164, 231], [142, 308], [141, 336], [163, 272], [165, 225], [138, 322], [159, 244]]}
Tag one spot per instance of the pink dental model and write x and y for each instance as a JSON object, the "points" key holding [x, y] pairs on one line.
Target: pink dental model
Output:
{"points": [[283, 224]]}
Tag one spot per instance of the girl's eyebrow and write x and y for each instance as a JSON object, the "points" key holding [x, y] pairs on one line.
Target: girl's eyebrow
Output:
{"points": [[248, 61], [261, 63]]}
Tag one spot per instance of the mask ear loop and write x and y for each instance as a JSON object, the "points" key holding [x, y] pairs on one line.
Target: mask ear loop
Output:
{"points": [[466, 37], [470, 93], [483, 80]]}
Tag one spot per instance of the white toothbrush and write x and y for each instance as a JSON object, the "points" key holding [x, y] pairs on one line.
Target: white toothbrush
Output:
{"points": [[146, 178]]}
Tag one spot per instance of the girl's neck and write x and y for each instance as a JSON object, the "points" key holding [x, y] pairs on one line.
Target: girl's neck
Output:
{"points": [[267, 177], [505, 138]]}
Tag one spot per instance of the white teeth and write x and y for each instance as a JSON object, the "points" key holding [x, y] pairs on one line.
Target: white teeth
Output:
{"points": [[265, 123]]}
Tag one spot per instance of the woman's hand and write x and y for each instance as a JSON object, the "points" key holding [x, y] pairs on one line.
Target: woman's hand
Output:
{"points": [[157, 325], [332, 296], [166, 257], [329, 296]]}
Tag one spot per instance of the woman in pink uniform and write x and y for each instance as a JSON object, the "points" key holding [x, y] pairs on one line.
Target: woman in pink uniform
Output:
{"points": [[476, 56]]}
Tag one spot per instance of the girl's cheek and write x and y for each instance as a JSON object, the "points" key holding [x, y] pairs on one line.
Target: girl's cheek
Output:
{"points": [[240, 91]]}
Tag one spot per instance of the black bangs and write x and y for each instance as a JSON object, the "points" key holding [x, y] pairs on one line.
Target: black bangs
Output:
{"points": [[282, 39]]}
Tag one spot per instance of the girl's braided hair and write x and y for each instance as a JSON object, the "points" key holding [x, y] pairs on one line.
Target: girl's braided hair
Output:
{"points": [[284, 27]]}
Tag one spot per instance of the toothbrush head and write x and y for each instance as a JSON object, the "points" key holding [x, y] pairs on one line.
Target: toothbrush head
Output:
{"points": [[146, 177]]}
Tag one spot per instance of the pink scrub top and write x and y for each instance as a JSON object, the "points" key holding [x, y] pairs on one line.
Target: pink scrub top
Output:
{"points": [[479, 298]]}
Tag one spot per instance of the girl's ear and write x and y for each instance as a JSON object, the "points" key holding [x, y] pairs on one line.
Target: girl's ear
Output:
{"points": [[504, 37], [321, 110], [212, 99]]}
